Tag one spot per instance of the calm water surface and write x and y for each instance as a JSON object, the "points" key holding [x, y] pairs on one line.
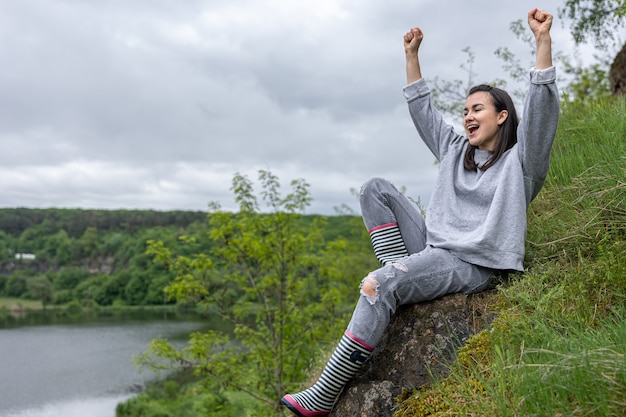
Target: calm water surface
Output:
{"points": [[81, 369]]}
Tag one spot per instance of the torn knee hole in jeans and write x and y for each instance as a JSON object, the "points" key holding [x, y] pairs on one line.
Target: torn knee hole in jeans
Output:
{"points": [[369, 289], [400, 266]]}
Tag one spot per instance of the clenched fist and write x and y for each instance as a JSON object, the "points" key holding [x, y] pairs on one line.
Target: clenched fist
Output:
{"points": [[539, 21], [412, 40]]}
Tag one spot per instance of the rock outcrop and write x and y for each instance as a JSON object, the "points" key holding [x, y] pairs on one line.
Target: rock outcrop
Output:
{"points": [[419, 341], [617, 73]]}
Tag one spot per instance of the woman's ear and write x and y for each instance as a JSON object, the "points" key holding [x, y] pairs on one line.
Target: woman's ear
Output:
{"points": [[502, 116]]}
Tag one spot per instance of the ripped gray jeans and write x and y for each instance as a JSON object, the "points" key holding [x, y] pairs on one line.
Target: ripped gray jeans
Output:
{"points": [[425, 274]]}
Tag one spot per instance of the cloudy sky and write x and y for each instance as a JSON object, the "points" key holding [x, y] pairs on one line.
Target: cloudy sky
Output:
{"points": [[158, 103]]}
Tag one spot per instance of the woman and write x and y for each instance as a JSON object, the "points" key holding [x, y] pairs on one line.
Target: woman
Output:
{"points": [[476, 221]]}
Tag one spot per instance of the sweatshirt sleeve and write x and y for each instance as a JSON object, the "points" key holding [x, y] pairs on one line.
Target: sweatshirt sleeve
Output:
{"points": [[428, 121], [537, 129]]}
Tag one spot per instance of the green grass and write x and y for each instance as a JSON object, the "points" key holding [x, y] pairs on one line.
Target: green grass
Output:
{"points": [[558, 346], [10, 303], [582, 142], [183, 396], [579, 372]]}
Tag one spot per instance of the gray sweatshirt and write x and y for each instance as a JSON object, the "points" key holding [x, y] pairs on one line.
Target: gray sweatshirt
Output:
{"points": [[480, 216]]}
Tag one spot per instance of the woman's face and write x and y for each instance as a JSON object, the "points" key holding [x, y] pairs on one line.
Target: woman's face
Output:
{"points": [[482, 121]]}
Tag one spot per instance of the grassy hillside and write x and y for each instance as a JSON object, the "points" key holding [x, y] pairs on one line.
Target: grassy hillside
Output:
{"points": [[558, 345]]}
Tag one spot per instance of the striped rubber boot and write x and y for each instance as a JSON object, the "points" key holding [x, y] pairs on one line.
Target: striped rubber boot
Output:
{"points": [[345, 361], [387, 242]]}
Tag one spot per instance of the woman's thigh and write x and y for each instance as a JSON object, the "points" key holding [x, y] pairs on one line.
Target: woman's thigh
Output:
{"points": [[427, 275], [382, 203]]}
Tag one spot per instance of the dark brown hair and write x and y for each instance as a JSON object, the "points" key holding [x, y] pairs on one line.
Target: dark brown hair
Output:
{"points": [[507, 134]]}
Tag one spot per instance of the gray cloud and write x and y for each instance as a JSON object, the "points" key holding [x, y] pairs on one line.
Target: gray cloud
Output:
{"points": [[156, 104]]}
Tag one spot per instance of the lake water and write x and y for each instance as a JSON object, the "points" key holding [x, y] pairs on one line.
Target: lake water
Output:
{"points": [[79, 369]]}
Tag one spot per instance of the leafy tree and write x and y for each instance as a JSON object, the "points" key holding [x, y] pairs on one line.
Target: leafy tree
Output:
{"points": [[69, 278], [58, 248], [135, 289], [584, 83], [15, 285], [588, 85], [12, 222], [88, 242], [40, 288], [598, 21], [114, 242], [6, 248], [155, 291], [27, 242], [111, 289], [95, 289], [271, 288], [598, 18]]}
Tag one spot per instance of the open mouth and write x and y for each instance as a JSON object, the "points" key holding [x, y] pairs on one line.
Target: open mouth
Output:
{"points": [[471, 129]]}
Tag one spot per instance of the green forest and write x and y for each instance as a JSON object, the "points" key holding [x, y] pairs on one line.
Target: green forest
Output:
{"points": [[99, 257]]}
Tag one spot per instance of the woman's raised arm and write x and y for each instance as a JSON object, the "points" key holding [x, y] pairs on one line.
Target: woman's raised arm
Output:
{"points": [[540, 23], [412, 40]]}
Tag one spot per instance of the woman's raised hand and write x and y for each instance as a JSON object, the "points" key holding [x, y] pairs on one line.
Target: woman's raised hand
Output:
{"points": [[412, 40], [540, 22]]}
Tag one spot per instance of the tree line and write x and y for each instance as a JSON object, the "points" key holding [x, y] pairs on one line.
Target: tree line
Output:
{"points": [[14, 221], [100, 256]]}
